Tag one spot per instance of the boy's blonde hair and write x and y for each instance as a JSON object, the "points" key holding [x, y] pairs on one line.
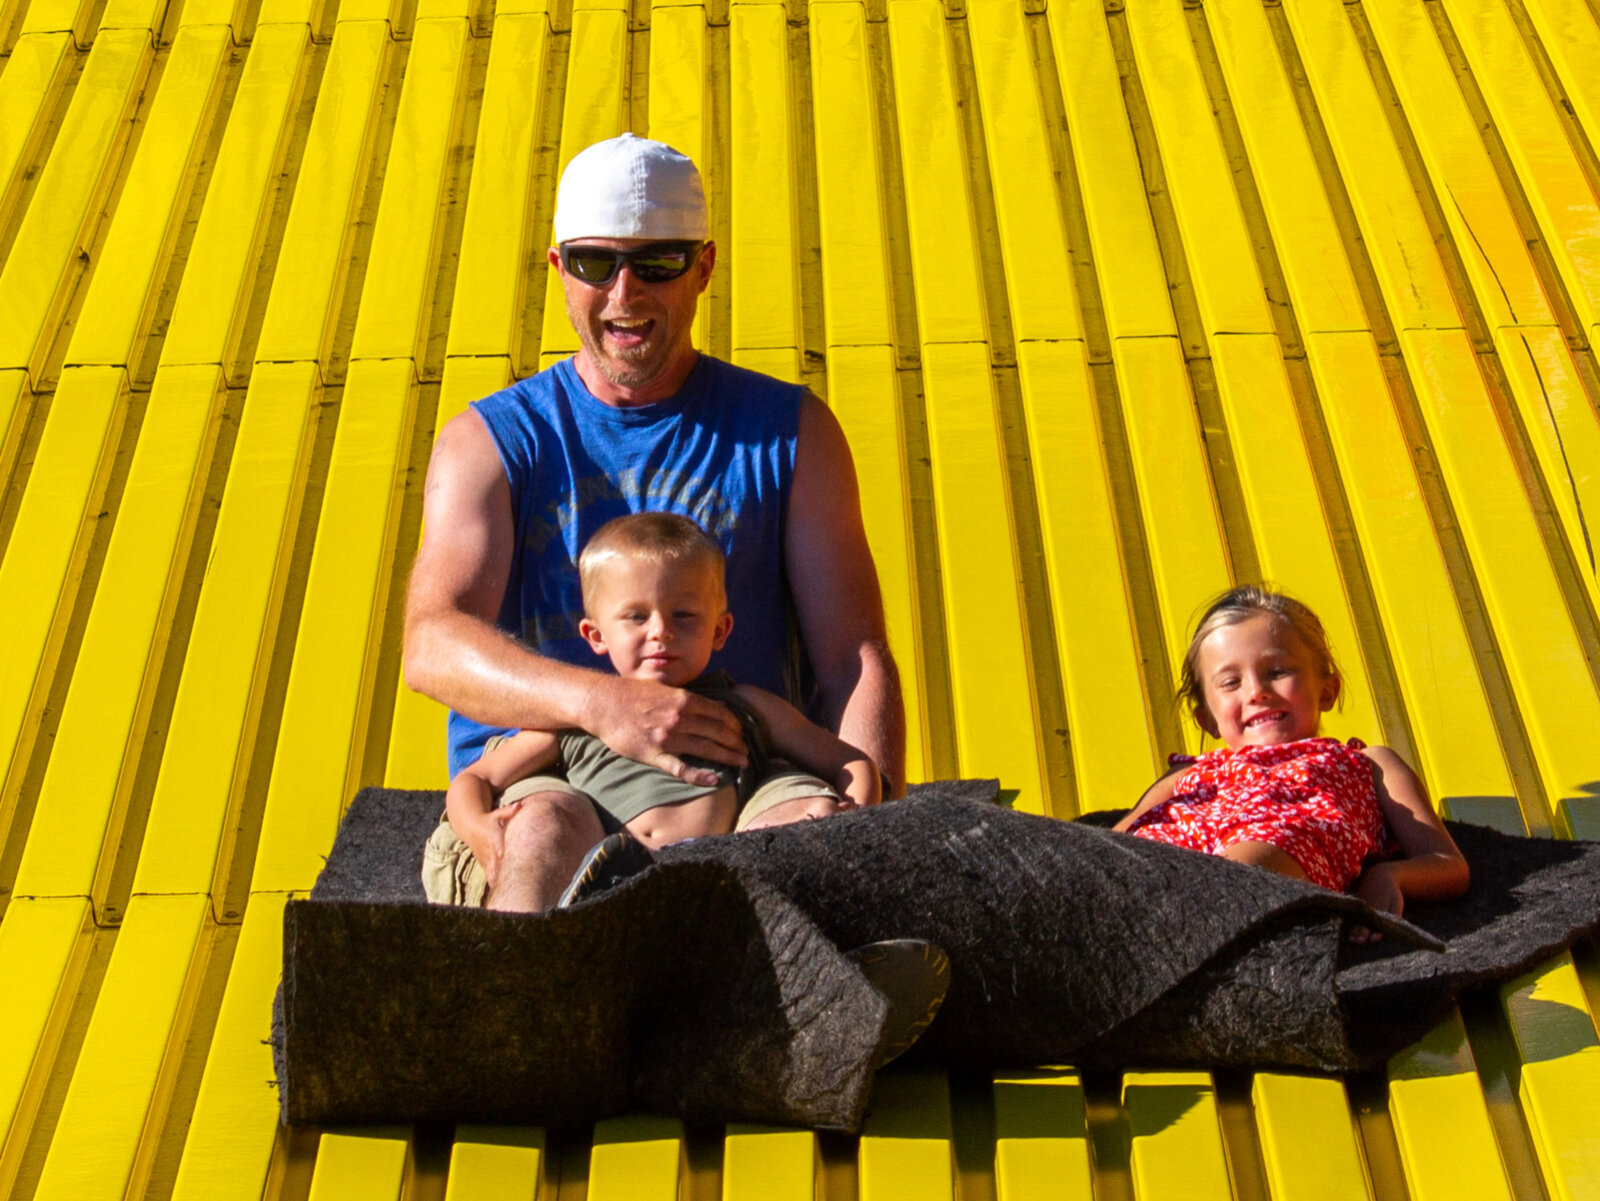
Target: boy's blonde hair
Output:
{"points": [[662, 538], [1241, 604]]}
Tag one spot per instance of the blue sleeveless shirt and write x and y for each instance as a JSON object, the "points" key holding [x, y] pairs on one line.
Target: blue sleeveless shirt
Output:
{"points": [[720, 451]]}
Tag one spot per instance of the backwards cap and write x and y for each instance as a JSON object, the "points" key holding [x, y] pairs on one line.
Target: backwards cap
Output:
{"points": [[630, 187]]}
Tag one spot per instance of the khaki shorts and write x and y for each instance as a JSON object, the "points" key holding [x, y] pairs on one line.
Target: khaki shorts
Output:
{"points": [[451, 874]]}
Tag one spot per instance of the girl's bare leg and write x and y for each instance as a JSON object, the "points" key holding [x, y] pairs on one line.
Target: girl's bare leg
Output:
{"points": [[1264, 854]]}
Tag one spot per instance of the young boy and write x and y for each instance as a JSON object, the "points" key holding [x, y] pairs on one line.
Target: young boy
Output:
{"points": [[654, 603]]}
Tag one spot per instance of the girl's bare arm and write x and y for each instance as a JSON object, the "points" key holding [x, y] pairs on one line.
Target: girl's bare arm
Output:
{"points": [[1158, 792], [1433, 868]]}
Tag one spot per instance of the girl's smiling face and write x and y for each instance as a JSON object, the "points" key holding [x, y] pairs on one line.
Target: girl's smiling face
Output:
{"points": [[1263, 685]]}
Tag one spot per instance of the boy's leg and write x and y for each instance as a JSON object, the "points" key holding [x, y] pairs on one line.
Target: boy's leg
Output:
{"points": [[787, 795]]}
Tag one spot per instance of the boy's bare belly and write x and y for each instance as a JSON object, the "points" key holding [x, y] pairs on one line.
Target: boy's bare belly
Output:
{"points": [[712, 813]]}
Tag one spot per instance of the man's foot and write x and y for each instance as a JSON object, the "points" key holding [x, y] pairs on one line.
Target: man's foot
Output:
{"points": [[913, 976], [610, 861]]}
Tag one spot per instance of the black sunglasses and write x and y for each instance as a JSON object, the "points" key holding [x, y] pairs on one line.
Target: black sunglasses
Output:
{"points": [[652, 264]]}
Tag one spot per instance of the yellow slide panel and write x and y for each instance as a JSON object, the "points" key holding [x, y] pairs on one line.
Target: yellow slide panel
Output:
{"points": [[29, 84], [43, 948], [767, 1163], [1263, 430], [361, 1164], [864, 393], [943, 242], [1215, 241], [1564, 431], [1438, 677], [495, 238], [905, 1153], [404, 247], [1441, 1123], [1538, 644], [597, 73], [417, 729], [107, 710], [1560, 1078], [1295, 548], [67, 200], [990, 676], [314, 257], [1394, 231], [1457, 737], [1176, 1136], [105, 1137], [132, 14], [16, 406], [679, 110], [196, 13], [1484, 229], [1562, 198], [1041, 1144], [1303, 232], [122, 296], [1133, 279], [863, 384], [211, 733], [323, 733], [45, 557], [764, 284], [639, 1157], [1181, 523], [1113, 756], [1308, 1139], [1491, 243], [1571, 40], [208, 314], [58, 16], [1039, 275], [850, 204], [235, 1120], [497, 1163]]}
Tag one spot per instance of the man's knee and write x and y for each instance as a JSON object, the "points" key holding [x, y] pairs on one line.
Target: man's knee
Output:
{"points": [[547, 821]]}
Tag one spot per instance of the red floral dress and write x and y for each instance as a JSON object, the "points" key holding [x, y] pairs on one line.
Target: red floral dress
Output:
{"points": [[1314, 799]]}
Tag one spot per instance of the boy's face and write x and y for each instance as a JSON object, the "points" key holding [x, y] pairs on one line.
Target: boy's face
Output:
{"points": [[657, 621]]}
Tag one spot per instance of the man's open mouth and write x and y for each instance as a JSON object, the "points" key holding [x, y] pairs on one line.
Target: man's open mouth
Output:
{"points": [[629, 331]]}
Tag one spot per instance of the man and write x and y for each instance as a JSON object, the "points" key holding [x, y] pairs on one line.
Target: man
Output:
{"points": [[638, 419]]}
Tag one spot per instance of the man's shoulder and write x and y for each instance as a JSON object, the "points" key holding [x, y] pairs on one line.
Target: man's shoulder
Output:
{"points": [[528, 390], [726, 376]]}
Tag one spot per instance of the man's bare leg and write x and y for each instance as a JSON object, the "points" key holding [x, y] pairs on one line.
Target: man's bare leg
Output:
{"points": [[545, 842]]}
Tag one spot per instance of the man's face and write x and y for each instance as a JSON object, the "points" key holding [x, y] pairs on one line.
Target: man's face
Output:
{"points": [[635, 335]]}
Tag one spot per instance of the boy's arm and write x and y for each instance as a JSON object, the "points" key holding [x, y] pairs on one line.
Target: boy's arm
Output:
{"points": [[469, 803], [1158, 792], [808, 745], [1433, 869]]}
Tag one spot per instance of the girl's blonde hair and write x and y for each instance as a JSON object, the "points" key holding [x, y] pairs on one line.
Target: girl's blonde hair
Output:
{"points": [[1241, 604]]}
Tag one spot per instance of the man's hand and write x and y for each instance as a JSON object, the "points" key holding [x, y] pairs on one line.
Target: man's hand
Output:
{"points": [[486, 836], [655, 724]]}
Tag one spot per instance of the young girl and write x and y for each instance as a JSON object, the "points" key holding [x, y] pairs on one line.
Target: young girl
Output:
{"points": [[1259, 676]]}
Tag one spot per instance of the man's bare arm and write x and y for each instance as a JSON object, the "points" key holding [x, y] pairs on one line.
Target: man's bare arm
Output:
{"points": [[835, 588], [455, 654]]}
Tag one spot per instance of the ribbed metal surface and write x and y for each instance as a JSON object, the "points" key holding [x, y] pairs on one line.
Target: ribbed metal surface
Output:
{"points": [[1116, 303]]}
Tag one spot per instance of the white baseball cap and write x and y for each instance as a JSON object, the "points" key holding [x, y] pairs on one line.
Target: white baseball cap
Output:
{"points": [[628, 187]]}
